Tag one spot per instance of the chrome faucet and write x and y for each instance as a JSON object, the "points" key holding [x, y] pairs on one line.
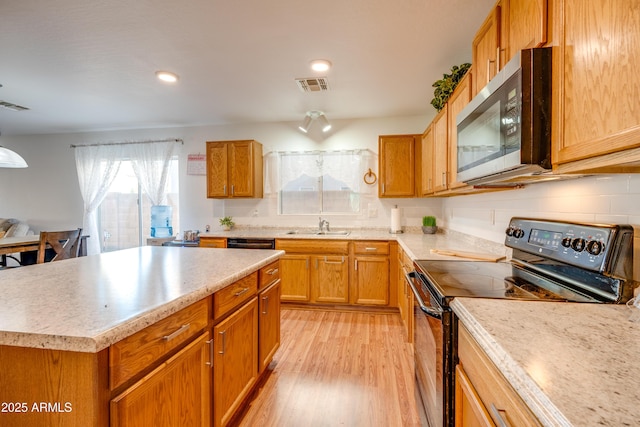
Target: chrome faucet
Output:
{"points": [[322, 224]]}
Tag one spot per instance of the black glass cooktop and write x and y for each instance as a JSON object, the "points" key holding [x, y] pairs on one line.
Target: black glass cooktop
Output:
{"points": [[449, 279]]}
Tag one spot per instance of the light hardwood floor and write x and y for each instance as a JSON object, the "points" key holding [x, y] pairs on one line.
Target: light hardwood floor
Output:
{"points": [[337, 369]]}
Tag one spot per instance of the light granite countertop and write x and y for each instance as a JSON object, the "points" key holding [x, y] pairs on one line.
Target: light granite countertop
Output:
{"points": [[414, 242], [573, 364], [88, 303]]}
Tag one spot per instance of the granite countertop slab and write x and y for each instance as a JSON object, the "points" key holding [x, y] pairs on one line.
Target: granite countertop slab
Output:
{"points": [[88, 303], [416, 244], [573, 364]]}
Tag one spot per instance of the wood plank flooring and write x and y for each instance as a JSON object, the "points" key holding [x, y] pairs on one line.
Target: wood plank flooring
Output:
{"points": [[337, 369]]}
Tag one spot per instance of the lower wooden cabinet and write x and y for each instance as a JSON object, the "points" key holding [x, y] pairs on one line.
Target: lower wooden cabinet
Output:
{"points": [[483, 396], [268, 325], [330, 279], [212, 242], [405, 294], [235, 362], [183, 386], [295, 277], [371, 273]]}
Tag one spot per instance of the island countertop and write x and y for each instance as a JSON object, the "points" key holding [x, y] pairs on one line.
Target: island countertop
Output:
{"points": [[88, 303], [573, 364]]}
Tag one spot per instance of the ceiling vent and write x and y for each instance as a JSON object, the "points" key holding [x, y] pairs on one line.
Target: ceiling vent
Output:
{"points": [[315, 84], [13, 107]]}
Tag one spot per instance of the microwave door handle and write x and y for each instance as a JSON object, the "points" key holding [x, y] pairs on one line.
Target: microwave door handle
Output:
{"points": [[429, 311]]}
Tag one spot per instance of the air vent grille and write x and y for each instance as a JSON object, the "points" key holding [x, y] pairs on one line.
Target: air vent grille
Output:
{"points": [[315, 84], [13, 107]]}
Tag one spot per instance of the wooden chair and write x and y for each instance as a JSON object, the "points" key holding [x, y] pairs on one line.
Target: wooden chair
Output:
{"points": [[65, 244]]}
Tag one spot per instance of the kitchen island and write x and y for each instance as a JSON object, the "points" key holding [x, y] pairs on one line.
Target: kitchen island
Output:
{"points": [[572, 364], [66, 327]]}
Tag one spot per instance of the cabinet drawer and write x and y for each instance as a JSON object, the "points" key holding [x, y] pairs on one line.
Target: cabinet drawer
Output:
{"points": [[140, 350], [269, 274], [233, 295], [213, 242], [315, 246], [371, 248], [492, 388]]}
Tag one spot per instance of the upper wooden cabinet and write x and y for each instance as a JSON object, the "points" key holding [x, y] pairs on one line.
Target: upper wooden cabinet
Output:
{"points": [[234, 169], [511, 25], [458, 100], [485, 50], [426, 153], [596, 84], [397, 164], [440, 131]]}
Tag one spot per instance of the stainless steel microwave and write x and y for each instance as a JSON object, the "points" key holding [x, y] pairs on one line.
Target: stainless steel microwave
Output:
{"points": [[504, 133]]}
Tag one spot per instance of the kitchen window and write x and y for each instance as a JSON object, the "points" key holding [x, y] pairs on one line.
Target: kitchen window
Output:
{"points": [[320, 182]]}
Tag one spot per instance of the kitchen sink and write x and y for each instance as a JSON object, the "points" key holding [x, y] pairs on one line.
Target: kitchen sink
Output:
{"points": [[319, 233]]}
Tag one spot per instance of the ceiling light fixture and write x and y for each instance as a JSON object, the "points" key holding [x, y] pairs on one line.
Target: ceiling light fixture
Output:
{"points": [[166, 76], [320, 65], [310, 117], [11, 159]]}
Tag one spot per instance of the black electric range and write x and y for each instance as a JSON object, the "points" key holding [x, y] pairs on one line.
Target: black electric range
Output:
{"points": [[552, 261]]}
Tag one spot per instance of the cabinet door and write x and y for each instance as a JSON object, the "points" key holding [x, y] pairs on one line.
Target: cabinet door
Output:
{"points": [[458, 100], [427, 153], [241, 170], [217, 169], [371, 280], [235, 365], [525, 23], [485, 48], [178, 392], [295, 277], [470, 410], [597, 81], [269, 324], [330, 279], [440, 150], [396, 166]]}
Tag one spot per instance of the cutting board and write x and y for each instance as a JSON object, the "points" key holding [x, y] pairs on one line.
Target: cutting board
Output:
{"points": [[470, 255]]}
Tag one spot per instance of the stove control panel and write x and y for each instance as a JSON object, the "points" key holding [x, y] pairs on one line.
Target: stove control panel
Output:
{"points": [[590, 246]]}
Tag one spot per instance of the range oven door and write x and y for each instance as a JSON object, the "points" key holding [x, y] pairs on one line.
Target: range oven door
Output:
{"points": [[433, 348]]}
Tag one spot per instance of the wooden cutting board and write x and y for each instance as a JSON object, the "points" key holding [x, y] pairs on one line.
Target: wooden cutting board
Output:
{"points": [[470, 255]]}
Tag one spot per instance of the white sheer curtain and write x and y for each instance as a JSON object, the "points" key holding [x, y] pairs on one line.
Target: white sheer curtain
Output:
{"points": [[97, 166], [150, 163]]}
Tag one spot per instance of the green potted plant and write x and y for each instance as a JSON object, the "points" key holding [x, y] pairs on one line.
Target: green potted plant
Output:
{"points": [[446, 85], [227, 223], [429, 225]]}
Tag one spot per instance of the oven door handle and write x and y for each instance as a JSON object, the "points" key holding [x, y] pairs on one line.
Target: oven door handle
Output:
{"points": [[434, 312]]}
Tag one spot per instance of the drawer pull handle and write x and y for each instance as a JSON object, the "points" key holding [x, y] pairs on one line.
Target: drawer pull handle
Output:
{"points": [[370, 249], [210, 362], [502, 422], [326, 261], [174, 334], [272, 271], [224, 342], [242, 291]]}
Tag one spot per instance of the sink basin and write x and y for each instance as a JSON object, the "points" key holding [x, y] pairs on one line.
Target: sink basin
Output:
{"points": [[319, 233]]}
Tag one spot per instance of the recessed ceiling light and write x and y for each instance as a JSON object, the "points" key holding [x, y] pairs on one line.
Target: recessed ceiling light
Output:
{"points": [[166, 76], [320, 65]]}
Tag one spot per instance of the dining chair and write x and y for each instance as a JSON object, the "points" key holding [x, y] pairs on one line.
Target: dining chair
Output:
{"points": [[65, 244]]}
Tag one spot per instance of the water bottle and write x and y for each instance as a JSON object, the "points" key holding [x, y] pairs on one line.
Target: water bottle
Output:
{"points": [[161, 221]]}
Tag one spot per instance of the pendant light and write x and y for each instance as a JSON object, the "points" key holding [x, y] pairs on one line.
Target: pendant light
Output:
{"points": [[11, 159]]}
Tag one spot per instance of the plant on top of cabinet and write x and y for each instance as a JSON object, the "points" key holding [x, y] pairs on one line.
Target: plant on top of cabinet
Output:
{"points": [[234, 169], [447, 84]]}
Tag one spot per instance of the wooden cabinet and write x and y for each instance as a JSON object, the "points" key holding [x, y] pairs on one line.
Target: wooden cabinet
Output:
{"points": [[235, 363], [485, 50], [596, 125], [523, 26], [269, 315], [440, 131], [483, 396], [234, 169], [426, 153], [314, 271], [405, 294], [178, 392], [371, 273], [397, 165], [459, 99], [212, 242]]}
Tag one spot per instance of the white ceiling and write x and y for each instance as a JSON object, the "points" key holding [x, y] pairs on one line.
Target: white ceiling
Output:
{"points": [[89, 65]]}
